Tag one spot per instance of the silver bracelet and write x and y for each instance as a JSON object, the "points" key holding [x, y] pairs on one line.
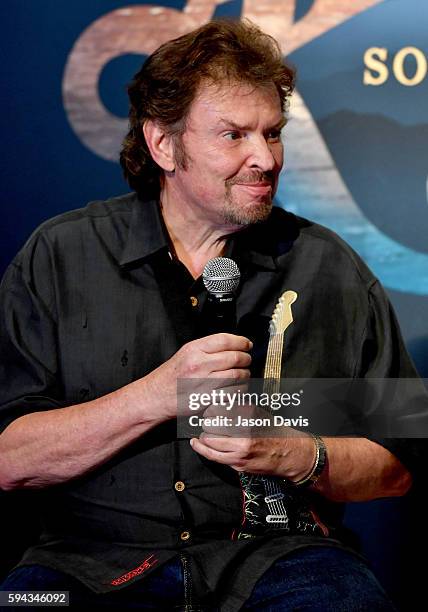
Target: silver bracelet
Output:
{"points": [[319, 464]]}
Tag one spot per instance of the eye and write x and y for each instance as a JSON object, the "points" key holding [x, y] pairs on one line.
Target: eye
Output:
{"points": [[274, 135], [232, 135]]}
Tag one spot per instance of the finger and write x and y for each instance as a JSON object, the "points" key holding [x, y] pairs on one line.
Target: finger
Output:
{"points": [[212, 454], [218, 392], [221, 429], [216, 425], [225, 342], [234, 374], [218, 431], [225, 360], [224, 444], [225, 406], [232, 359]]}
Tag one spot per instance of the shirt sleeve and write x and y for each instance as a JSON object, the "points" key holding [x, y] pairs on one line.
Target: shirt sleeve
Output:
{"points": [[29, 370], [404, 404]]}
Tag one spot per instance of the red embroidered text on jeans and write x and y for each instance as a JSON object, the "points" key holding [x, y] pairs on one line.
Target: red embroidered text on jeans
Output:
{"points": [[145, 565]]}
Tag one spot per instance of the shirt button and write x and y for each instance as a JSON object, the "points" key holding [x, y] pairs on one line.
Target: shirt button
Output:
{"points": [[184, 535], [194, 301], [179, 486]]}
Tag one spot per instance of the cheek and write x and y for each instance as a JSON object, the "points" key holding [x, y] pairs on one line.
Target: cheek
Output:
{"points": [[278, 155], [223, 167], [234, 164]]}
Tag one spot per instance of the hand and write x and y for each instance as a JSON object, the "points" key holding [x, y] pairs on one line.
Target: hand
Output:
{"points": [[219, 356], [290, 456]]}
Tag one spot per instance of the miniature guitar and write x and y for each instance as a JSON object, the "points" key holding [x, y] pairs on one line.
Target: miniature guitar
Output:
{"points": [[268, 502]]}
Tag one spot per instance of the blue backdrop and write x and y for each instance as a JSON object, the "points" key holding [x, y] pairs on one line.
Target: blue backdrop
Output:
{"points": [[356, 145]]}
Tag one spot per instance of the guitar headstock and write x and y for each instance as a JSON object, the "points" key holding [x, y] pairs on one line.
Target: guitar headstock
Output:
{"points": [[282, 315]]}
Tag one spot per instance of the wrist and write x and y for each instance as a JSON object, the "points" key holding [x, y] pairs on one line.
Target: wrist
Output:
{"points": [[317, 466], [146, 401]]}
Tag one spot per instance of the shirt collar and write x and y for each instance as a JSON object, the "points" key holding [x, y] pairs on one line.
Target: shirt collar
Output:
{"points": [[259, 244], [146, 234], [264, 243]]}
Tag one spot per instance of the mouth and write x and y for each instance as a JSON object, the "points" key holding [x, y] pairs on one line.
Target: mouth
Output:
{"points": [[257, 188]]}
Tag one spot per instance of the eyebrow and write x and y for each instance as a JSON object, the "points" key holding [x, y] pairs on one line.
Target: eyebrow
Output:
{"points": [[235, 126]]}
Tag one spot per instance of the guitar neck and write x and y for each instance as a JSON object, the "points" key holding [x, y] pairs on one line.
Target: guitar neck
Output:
{"points": [[281, 319], [272, 372]]}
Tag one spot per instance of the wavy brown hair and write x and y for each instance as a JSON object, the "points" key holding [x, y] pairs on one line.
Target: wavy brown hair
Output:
{"points": [[165, 87]]}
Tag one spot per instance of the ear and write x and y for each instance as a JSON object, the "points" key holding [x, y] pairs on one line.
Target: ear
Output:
{"points": [[160, 145]]}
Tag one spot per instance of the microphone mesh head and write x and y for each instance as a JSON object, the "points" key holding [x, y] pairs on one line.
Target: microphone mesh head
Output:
{"points": [[221, 275]]}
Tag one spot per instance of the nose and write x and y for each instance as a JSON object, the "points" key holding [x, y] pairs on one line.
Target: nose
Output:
{"points": [[264, 155]]}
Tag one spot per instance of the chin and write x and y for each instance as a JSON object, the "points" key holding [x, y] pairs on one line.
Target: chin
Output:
{"points": [[256, 212]]}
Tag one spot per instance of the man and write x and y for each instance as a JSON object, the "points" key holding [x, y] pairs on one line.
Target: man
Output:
{"points": [[103, 311]]}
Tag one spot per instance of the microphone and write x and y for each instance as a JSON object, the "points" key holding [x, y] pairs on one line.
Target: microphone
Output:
{"points": [[221, 278]]}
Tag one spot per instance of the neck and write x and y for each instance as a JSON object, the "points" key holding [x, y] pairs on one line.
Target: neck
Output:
{"points": [[194, 241]]}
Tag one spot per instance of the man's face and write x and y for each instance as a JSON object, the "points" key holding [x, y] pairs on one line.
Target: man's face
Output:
{"points": [[233, 153]]}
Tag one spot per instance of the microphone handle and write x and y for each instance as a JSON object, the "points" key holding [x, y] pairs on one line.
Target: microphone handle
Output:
{"points": [[221, 313]]}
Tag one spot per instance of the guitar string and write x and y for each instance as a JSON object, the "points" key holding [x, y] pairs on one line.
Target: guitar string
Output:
{"points": [[272, 375], [273, 366]]}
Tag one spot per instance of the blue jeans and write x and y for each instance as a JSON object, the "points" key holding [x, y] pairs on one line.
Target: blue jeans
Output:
{"points": [[318, 579]]}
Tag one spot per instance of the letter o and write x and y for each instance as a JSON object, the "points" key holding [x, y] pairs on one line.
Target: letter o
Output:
{"points": [[421, 66]]}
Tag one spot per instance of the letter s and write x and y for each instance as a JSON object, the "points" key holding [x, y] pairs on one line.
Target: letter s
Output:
{"points": [[296, 399], [375, 65]]}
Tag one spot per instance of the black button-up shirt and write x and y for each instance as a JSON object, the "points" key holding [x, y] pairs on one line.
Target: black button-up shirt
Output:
{"points": [[93, 301]]}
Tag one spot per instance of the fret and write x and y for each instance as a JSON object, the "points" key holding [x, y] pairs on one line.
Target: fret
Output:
{"points": [[281, 319]]}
